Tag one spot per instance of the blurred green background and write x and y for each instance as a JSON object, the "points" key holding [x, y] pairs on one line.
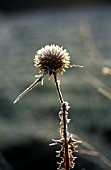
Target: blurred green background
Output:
{"points": [[26, 128]]}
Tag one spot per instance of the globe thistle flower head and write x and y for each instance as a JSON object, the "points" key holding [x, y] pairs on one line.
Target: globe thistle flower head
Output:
{"points": [[52, 59]]}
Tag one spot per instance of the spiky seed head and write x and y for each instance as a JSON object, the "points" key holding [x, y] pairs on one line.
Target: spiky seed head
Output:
{"points": [[52, 59]]}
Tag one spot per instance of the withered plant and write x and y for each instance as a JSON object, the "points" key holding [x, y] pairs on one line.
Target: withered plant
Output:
{"points": [[53, 60]]}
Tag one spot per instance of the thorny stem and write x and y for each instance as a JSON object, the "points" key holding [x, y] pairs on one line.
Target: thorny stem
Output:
{"points": [[64, 120]]}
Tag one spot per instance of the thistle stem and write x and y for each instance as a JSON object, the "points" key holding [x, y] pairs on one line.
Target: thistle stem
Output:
{"points": [[64, 121], [58, 88], [65, 135]]}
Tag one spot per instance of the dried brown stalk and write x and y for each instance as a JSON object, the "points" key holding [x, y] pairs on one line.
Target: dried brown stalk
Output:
{"points": [[68, 144]]}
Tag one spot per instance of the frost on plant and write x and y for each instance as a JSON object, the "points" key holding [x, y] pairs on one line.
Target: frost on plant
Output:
{"points": [[53, 60], [67, 143]]}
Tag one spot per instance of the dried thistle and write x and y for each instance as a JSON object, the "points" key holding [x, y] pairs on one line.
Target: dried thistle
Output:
{"points": [[53, 60], [50, 60]]}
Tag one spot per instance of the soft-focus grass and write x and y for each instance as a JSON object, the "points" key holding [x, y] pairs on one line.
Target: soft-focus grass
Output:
{"points": [[37, 113]]}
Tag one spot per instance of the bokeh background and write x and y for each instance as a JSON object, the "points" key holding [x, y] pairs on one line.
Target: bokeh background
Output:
{"points": [[83, 27]]}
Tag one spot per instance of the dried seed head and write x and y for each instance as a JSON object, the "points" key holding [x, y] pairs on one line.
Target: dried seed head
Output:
{"points": [[52, 59]]}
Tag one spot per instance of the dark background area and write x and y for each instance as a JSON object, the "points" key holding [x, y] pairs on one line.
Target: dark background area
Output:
{"points": [[83, 27], [18, 5]]}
